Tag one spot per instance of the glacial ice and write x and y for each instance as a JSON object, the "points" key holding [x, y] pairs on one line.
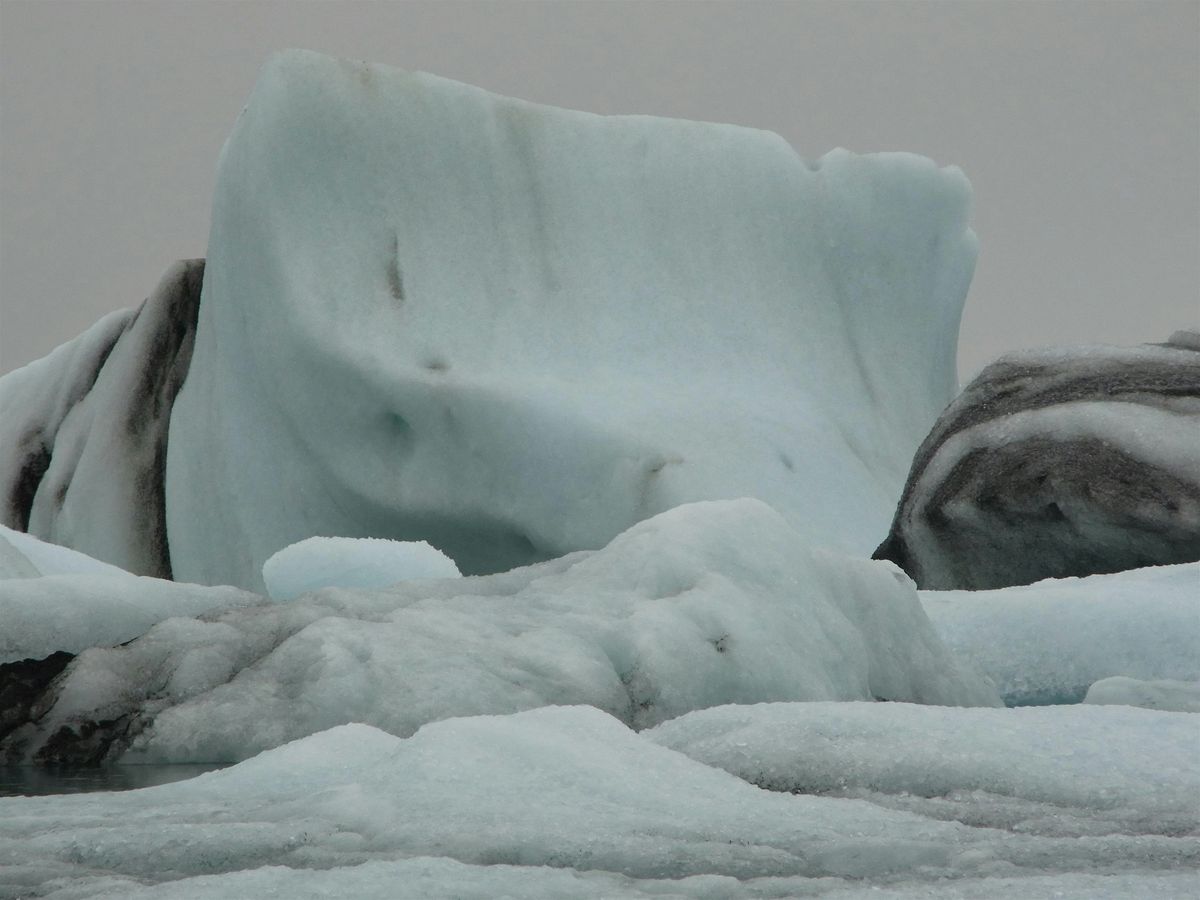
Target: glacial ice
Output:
{"points": [[513, 331], [572, 799], [319, 562], [708, 603], [1049, 642]]}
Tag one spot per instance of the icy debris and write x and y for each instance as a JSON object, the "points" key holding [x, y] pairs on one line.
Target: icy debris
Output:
{"points": [[1049, 642], [1175, 696], [320, 562], [709, 603]]}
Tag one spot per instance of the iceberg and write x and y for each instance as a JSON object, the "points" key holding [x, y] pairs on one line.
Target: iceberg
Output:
{"points": [[83, 431], [513, 331], [509, 330], [1058, 463]]}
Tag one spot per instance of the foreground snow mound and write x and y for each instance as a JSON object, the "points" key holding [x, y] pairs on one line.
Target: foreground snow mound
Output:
{"points": [[1079, 770], [705, 604], [447, 879], [564, 788], [513, 331], [1173, 696], [319, 562], [1056, 463], [1049, 642], [83, 432]]}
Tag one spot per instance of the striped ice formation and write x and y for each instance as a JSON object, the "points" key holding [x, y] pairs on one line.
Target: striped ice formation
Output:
{"points": [[1058, 463]]}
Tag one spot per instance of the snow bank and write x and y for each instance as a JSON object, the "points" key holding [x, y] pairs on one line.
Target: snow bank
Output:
{"points": [[1049, 642], [553, 791], [319, 562], [708, 603], [1175, 696], [1057, 771], [513, 331]]}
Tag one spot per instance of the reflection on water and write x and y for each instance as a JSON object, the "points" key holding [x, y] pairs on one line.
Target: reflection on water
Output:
{"points": [[30, 780]]}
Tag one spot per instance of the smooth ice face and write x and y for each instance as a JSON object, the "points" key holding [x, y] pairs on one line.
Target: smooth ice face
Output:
{"points": [[320, 562], [581, 805], [1049, 642], [705, 604], [514, 331]]}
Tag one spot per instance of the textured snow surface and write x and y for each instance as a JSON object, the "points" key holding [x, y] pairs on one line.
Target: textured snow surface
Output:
{"points": [[1176, 696], [514, 331], [1049, 642], [319, 562], [708, 603], [1078, 770], [563, 788]]}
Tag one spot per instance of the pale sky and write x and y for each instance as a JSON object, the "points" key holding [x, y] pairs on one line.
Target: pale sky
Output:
{"points": [[1078, 124]]}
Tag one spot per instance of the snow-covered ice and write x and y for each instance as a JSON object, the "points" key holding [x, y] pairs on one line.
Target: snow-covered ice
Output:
{"points": [[569, 789], [707, 603], [1049, 642], [1165, 694], [513, 331], [319, 562]]}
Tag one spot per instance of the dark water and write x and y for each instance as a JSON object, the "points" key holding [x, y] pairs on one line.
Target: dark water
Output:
{"points": [[29, 780]]}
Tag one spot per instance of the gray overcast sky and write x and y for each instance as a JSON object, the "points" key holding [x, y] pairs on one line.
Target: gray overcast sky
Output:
{"points": [[1077, 123]]}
